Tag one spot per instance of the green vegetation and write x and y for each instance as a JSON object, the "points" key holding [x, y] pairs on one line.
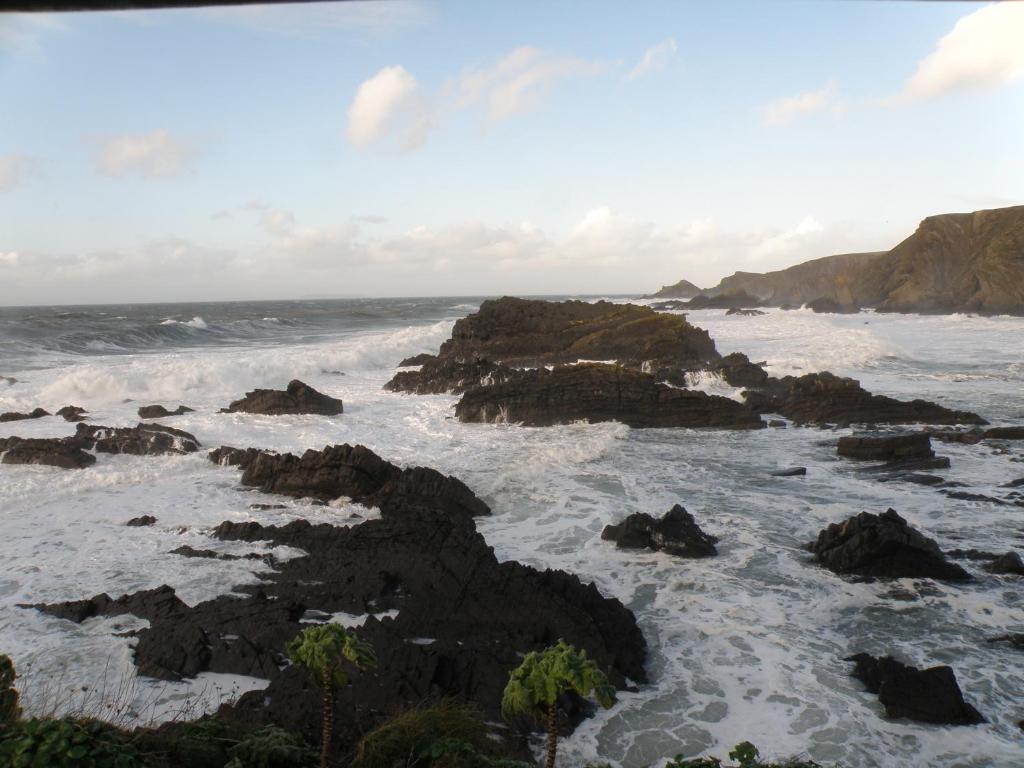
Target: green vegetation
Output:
{"points": [[10, 710], [66, 743], [271, 747], [745, 754], [535, 685], [323, 649]]}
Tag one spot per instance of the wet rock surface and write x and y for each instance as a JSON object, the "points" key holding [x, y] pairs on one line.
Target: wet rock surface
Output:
{"points": [[927, 696], [73, 452], [1010, 563], [52, 452], [141, 521], [38, 413], [594, 392], [463, 619], [439, 375], [882, 546], [72, 413], [738, 371], [826, 398], [676, 533], [298, 398], [832, 307], [888, 448], [160, 412]]}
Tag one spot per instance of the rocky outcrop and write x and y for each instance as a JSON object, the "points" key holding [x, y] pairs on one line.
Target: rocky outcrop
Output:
{"points": [[1005, 433], [72, 413], [141, 522], [957, 262], [38, 413], [228, 456], [52, 452], [354, 472], [738, 371], [744, 312], [298, 398], [533, 333], [730, 300], [826, 398], [140, 440], [882, 546], [160, 412], [927, 696], [889, 448], [684, 289], [595, 393], [1010, 563], [446, 619], [677, 533]]}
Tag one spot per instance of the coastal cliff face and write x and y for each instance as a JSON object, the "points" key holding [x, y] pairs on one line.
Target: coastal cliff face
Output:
{"points": [[956, 262]]}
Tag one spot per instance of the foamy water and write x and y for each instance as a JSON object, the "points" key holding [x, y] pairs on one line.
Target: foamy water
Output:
{"points": [[748, 645]]}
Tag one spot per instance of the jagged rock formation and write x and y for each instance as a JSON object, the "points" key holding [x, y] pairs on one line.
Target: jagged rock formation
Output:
{"points": [[677, 533], [684, 289], [955, 262], [882, 546], [438, 375], [38, 413], [53, 452], [927, 696], [72, 413], [595, 392], [297, 398], [826, 398], [446, 618]]}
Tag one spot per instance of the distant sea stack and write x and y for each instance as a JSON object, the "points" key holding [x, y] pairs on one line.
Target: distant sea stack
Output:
{"points": [[684, 289], [955, 262]]}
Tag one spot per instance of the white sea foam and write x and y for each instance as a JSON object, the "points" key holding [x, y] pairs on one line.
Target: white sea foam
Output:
{"points": [[748, 645]]}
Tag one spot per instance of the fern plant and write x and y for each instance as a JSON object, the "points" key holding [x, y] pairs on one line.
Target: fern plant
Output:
{"points": [[534, 687], [323, 649]]}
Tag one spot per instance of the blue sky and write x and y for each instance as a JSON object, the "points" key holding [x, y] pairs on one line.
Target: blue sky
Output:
{"points": [[415, 148]]}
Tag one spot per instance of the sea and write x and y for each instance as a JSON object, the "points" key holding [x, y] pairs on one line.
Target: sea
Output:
{"points": [[749, 645]]}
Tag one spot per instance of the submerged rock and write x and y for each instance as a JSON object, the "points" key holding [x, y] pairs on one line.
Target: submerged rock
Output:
{"points": [[1009, 563], [298, 398], [595, 392], [1005, 433], [732, 300], [826, 398], [882, 546], [744, 312], [160, 412], [791, 472], [38, 413], [889, 448], [927, 696], [142, 521], [677, 533], [832, 307]]}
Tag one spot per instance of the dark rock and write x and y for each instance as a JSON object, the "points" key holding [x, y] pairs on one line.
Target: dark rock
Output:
{"points": [[1009, 563], [523, 332], [968, 496], [1016, 639], [423, 558], [966, 436], [596, 392], [882, 546], [72, 413], [744, 312], [972, 554], [187, 551], [38, 413], [267, 506], [160, 412], [886, 448], [777, 424], [1019, 482], [140, 440], [297, 398], [898, 470], [827, 398], [832, 307], [672, 306], [53, 452], [361, 475], [927, 696], [228, 456], [675, 534], [8, 380], [791, 472], [735, 300], [139, 522], [738, 371], [420, 359], [684, 289], [437, 376], [1005, 433], [912, 477]]}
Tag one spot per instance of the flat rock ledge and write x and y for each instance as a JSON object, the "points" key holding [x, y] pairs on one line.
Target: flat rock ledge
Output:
{"points": [[597, 392], [676, 533], [926, 696], [882, 546], [445, 618], [298, 398]]}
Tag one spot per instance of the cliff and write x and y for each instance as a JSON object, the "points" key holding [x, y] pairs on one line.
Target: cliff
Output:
{"points": [[684, 289]]}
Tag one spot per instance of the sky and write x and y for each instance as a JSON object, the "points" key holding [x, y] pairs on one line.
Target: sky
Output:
{"points": [[415, 148]]}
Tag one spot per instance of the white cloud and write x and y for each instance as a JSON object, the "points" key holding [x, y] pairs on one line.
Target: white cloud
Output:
{"points": [[389, 105], [790, 108], [983, 50], [787, 242], [517, 82], [14, 169], [655, 59], [152, 155], [20, 33]]}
